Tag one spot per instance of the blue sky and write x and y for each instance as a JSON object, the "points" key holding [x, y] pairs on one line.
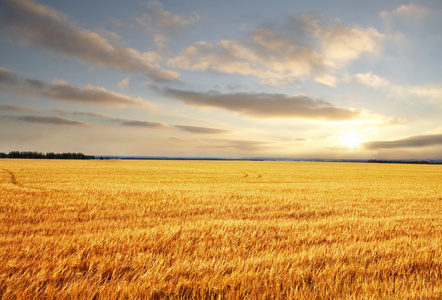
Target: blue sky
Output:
{"points": [[300, 79]]}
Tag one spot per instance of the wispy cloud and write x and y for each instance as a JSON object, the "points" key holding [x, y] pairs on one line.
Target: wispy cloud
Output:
{"points": [[411, 11], [432, 93], [43, 27], [297, 48], [63, 91], [158, 20], [48, 120], [409, 142], [205, 146], [113, 120], [247, 145], [124, 83], [14, 108], [265, 105], [407, 12], [368, 79], [408, 17], [138, 123], [202, 130]]}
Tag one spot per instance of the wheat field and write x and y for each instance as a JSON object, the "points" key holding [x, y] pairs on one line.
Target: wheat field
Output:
{"points": [[116, 229]]}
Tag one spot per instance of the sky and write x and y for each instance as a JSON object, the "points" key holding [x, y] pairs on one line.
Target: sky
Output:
{"points": [[324, 79]]}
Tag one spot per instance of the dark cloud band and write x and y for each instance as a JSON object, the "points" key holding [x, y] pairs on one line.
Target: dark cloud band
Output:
{"points": [[410, 142], [64, 91], [201, 130], [47, 120], [14, 108], [264, 105], [114, 120]]}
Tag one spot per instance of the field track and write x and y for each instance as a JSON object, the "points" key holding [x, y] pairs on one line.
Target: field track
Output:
{"points": [[13, 179], [219, 230]]}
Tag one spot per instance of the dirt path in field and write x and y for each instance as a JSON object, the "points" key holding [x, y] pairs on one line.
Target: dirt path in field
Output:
{"points": [[12, 175]]}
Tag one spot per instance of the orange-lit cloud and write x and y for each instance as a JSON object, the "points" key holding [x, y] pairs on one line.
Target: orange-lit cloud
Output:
{"points": [[63, 91], [43, 27]]}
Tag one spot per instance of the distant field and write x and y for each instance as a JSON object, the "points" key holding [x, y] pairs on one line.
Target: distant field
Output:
{"points": [[233, 230]]}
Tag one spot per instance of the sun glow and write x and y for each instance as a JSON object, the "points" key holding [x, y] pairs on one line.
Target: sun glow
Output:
{"points": [[351, 141]]}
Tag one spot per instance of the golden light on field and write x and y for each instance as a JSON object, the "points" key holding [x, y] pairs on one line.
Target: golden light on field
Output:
{"points": [[219, 230]]}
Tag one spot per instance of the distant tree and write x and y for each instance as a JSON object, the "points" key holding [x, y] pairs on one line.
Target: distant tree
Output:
{"points": [[34, 155], [49, 155], [14, 154]]}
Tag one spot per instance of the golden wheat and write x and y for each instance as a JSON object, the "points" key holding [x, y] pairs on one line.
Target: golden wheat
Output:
{"points": [[219, 230]]}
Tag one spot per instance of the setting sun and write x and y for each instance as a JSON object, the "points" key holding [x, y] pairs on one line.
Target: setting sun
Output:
{"points": [[351, 140]]}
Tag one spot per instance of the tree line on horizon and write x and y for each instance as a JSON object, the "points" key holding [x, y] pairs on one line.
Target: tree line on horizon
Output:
{"points": [[49, 155], [386, 161]]}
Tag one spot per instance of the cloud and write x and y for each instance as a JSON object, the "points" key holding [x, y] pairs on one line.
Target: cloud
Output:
{"points": [[409, 142], [137, 123], [202, 130], [327, 79], [297, 48], [225, 147], [45, 28], [411, 11], [48, 120], [342, 44], [243, 145], [246, 145], [64, 112], [113, 120], [124, 82], [264, 105], [406, 14], [14, 108], [157, 19], [368, 79], [63, 91], [430, 92]]}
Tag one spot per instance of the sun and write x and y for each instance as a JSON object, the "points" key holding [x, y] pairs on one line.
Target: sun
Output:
{"points": [[351, 140]]}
